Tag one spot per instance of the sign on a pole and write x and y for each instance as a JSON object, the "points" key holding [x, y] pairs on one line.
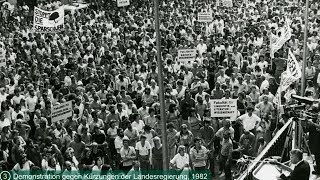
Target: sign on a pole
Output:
{"points": [[227, 3], [224, 108], [205, 17], [186, 55], [61, 111], [48, 21], [122, 3]]}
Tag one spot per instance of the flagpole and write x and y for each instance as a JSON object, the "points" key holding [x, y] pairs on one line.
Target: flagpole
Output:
{"points": [[306, 20], [161, 88]]}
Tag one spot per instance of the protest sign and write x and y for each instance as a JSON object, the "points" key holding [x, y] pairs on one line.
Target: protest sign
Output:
{"points": [[61, 111], [227, 3], [205, 17], [186, 55], [48, 21], [122, 3], [224, 108]]}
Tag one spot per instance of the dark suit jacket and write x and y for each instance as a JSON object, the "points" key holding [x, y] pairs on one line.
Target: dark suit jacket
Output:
{"points": [[300, 172]]}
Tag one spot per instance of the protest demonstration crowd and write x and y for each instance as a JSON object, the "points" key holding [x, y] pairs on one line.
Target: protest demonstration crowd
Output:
{"points": [[84, 97]]}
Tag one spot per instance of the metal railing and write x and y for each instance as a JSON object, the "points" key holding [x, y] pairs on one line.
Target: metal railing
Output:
{"points": [[255, 162]]}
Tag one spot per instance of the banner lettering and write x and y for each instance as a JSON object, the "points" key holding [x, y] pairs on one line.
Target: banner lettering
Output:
{"points": [[48, 21]]}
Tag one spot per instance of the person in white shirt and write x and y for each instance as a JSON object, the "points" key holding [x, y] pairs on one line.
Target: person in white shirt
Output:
{"points": [[264, 84], [128, 155], [3, 95], [222, 77], [262, 63], [143, 149], [201, 48], [31, 103], [138, 123], [181, 160], [153, 87], [17, 96], [249, 120], [118, 140]]}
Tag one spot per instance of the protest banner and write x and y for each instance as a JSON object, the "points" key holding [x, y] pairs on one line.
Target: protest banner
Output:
{"points": [[122, 3], [227, 3], [61, 111], [205, 17], [48, 21], [186, 55], [278, 42], [224, 108], [291, 75]]}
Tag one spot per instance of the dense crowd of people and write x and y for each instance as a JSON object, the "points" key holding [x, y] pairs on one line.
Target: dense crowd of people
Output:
{"points": [[105, 63]]}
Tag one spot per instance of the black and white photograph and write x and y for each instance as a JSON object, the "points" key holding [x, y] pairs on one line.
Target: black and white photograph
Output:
{"points": [[159, 90]]}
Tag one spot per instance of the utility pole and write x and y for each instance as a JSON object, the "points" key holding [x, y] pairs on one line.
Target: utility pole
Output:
{"points": [[304, 64], [161, 88], [305, 48]]}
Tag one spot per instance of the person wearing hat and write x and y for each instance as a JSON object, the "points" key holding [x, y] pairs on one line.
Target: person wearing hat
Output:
{"points": [[143, 149], [127, 154]]}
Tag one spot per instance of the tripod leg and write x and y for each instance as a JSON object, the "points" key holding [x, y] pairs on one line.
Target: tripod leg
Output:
{"points": [[286, 144]]}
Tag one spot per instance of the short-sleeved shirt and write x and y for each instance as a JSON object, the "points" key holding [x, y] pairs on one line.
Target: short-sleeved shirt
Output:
{"points": [[199, 154], [249, 122], [180, 161], [226, 147], [265, 108], [112, 132], [127, 152], [118, 143], [143, 150]]}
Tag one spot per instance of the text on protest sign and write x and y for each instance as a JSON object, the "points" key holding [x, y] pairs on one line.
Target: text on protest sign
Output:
{"points": [[205, 17], [61, 111], [186, 55], [227, 3], [122, 3], [48, 21], [224, 108]]}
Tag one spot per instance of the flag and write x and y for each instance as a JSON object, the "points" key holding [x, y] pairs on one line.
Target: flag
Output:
{"points": [[291, 75], [276, 43], [293, 67]]}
